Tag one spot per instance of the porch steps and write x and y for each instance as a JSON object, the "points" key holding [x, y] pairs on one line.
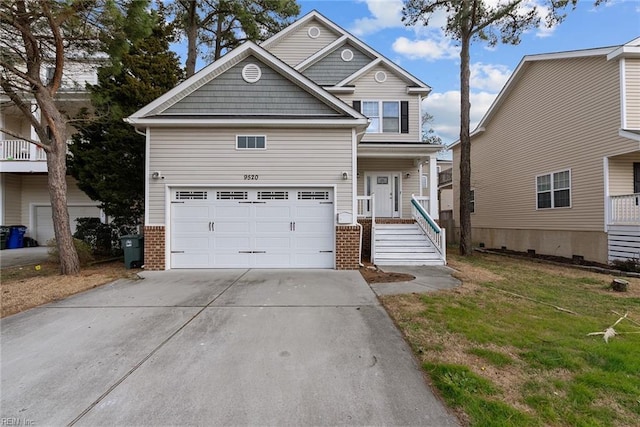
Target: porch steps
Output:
{"points": [[403, 244]]}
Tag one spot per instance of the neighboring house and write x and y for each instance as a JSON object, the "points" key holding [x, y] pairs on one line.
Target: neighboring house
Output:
{"points": [[269, 156], [555, 162], [24, 195]]}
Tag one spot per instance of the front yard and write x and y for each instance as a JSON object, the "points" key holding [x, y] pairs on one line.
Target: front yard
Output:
{"points": [[510, 347]]}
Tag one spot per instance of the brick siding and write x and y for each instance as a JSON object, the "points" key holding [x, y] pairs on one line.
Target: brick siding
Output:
{"points": [[347, 247], [154, 256]]}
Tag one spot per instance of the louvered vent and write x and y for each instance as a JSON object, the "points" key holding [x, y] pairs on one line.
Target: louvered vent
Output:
{"points": [[313, 32], [313, 195], [231, 195], [251, 73], [191, 195], [381, 76], [273, 195]]}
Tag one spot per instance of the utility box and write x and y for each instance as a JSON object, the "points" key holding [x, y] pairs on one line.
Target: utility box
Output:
{"points": [[133, 247], [345, 218]]}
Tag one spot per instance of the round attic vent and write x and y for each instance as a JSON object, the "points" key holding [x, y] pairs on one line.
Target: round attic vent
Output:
{"points": [[381, 77], [346, 55], [251, 73], [313, 32]]}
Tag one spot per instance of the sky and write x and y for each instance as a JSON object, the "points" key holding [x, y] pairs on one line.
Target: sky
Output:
{"points": [[433, 58]]}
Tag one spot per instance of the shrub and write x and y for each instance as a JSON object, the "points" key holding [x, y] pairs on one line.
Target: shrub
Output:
{"points": [[104, 239], [631, 264], [84, 251]]}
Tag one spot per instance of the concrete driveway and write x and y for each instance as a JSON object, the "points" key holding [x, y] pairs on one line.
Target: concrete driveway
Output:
{"points": [[23, 256], [215, 347]]}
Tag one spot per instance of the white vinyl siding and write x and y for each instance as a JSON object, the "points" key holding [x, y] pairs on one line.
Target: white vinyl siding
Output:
{"points": [[393, 89], [567, 116], [632, 88], [409, 186], [297, 46], [195, 156]]}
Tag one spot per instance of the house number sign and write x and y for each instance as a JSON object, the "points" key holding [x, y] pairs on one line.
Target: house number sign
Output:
{"points": [[251, 177]]}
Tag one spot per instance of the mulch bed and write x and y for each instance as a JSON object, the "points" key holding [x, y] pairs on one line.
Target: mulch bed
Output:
{"points": [[372, 274]]}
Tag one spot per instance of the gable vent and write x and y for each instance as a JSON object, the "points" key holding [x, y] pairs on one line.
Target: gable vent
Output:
{"points": [[231, 195], [346, 55], [381, 77], [273, 195], [191, 195], [313, 195], [251, 73], [313, 32]]}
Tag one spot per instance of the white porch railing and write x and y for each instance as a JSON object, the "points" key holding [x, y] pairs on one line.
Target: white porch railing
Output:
{"points": [[424, 202], [430, 228], [20, 150], [624, 209]]}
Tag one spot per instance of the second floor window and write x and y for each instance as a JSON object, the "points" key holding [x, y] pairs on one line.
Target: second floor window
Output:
{"points": [[385, 116]]}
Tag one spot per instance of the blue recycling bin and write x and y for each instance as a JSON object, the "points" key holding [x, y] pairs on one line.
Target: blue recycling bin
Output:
{"points": [[16, 236]]}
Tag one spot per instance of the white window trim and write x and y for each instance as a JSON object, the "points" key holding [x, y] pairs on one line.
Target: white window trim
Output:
{"points": [[473, 200], [251, 149], [552, 190], [380, 117]]}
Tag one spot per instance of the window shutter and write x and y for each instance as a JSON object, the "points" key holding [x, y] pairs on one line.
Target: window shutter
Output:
{"points": [[404, 116], [357, 106]]}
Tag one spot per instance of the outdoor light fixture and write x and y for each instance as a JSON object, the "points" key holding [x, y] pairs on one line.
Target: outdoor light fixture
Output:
{"points": [[407, 175], [345, 175], [156, 175]]}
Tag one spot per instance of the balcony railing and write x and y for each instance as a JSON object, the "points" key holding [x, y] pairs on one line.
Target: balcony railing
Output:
{"points": [[21, 150], [624, 209], [445, 177]]}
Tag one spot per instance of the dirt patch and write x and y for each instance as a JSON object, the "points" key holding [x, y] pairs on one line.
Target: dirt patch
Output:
{"points": [[30, 286], [373, 274]]}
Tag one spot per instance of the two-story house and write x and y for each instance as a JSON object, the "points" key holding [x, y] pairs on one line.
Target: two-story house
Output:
{"points": [[24, 196], [299, 152], [555, 162]]}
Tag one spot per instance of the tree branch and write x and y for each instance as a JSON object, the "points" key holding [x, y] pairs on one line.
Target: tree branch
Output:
{"points": [[32, 141], [56, 81], [26, 111]]}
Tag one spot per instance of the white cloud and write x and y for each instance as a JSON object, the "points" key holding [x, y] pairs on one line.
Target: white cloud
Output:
{"points": [[384, 14], [430, 49], [445, 109], [489, 77]]}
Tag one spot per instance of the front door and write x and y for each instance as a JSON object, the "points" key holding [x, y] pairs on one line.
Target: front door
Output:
{"points": [[386, 187]]}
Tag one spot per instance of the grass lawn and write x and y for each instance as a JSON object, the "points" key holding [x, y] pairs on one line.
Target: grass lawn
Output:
{"points": [[504, 360]]}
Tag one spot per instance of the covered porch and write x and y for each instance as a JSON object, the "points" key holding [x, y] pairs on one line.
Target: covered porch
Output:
{"points": [[397, 204], [622, 206]]}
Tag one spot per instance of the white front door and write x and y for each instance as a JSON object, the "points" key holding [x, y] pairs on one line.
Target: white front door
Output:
{"points": [[386, 187], [252, 228]]}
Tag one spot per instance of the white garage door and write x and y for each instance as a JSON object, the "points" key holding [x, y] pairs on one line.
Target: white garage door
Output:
{"points": [[252, 228], [44, 220]]}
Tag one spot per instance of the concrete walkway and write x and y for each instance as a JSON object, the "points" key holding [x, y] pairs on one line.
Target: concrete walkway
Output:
{"points": [[427, 279], [215, 347], [23, 256]]}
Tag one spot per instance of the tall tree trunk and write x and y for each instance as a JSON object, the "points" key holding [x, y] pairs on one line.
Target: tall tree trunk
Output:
{"points": [[192, 38], [57, 184], [465, 150]]}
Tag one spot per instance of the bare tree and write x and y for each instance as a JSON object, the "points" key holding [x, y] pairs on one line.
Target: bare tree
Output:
{"points": [[46, 34], [484, 21]]}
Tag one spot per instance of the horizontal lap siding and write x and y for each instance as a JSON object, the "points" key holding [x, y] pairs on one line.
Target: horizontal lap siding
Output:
{"points": [[333, 69], [562, 114], [621, 173], [632, 83], [35, 191], [230, 94], [393, 89], [209, 157], [12, 203], [410, 185], [298, 46]]}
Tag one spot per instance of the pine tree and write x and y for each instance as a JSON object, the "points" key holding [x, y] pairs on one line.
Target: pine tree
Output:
{"points": [[107, 154]]}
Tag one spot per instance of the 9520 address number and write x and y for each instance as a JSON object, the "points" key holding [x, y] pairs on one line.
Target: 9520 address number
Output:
{"points": [[250, 177]]}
